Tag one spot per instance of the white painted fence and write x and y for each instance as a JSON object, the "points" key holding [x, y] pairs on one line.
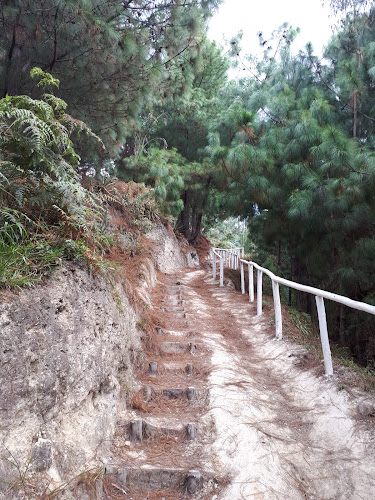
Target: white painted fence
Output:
{"points": [[232, 258]]}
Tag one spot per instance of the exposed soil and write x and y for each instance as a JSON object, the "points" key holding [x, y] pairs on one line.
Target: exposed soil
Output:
{"points": [[270, 424]]}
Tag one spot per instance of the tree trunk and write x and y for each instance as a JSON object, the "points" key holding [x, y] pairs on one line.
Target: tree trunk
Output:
{"points": [[196, 228], [355, 113], [182, 224], [10, 53]]}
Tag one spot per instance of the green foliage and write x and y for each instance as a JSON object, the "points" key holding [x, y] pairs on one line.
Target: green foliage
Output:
{"points": [[19, 481], [40, 188], [111, 58], [228, 233], [164, 170], [298, 140], [26, 261], [182, 175], [46, 79]]}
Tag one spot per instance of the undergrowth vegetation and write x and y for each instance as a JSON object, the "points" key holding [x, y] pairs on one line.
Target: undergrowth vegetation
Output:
{"points": [[46, 213]]}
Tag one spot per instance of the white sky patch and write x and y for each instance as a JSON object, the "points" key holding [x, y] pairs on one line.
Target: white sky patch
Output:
{"points": [[252, 16]]}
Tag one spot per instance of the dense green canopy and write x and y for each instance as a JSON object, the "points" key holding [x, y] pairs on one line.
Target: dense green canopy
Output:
{"points": [[112, 57]]}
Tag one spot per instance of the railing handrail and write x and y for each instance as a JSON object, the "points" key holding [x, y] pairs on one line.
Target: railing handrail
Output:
{"points": [[319, 294], [341, 299]]}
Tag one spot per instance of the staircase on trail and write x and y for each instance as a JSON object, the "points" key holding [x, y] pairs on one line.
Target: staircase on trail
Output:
{"points": [[159, 442], [226, 412]]}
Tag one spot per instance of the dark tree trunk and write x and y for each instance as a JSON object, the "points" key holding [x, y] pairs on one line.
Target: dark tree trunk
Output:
{"points": [[10, 54], [196, 228], [183, 224], [342, 325], [290, 275]]}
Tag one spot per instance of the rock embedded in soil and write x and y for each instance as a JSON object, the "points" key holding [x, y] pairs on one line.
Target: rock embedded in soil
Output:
{"points": [[366, 408], [136, 430], [153, 369], [189, 369]]}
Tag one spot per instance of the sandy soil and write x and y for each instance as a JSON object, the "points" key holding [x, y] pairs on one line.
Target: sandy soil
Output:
{"points": [[279, 431]]}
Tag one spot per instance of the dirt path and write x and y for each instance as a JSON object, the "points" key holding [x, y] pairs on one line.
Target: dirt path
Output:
{"points": [[280, 432], [225, 412]]}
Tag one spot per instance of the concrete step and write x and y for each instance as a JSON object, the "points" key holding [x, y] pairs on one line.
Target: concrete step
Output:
{"points": [[153, 427], [173, 301], [174, 289], [151, 478], [176, 307], [175, 393], [178, 368], [171, 283], [178, 347], [176, 314], [178, 334], [154, 369], [189, 393]]}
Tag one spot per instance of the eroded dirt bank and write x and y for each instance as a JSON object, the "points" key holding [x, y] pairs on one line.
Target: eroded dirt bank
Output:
{"points": [[68, 351]]}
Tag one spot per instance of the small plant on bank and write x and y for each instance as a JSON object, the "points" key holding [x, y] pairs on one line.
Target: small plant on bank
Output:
{"points": [[31, 485], [20, 482]]}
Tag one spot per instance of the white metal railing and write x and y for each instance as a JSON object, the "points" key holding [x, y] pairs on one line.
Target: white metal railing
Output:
{"points": [[320, 295]]}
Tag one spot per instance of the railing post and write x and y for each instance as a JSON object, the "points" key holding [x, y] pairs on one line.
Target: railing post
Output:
{"points": [[251, 282], [324, 335], [259, 292], [221, 271], [242, 278], [277, 305], [226, 258], [214, 265]]}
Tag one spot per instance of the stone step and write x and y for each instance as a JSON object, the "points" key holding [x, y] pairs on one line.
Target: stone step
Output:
{"points": [[173, 289], [178, 347], [174, 333], [173, 301], [175, 393], [177, 308], [178, 313], [153, 368], [188, 393], [153, 427], [150, 478], [177, 368]]}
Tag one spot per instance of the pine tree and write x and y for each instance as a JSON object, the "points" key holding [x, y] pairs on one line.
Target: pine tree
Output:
{"points": [[181, 123], [111, 57]]}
